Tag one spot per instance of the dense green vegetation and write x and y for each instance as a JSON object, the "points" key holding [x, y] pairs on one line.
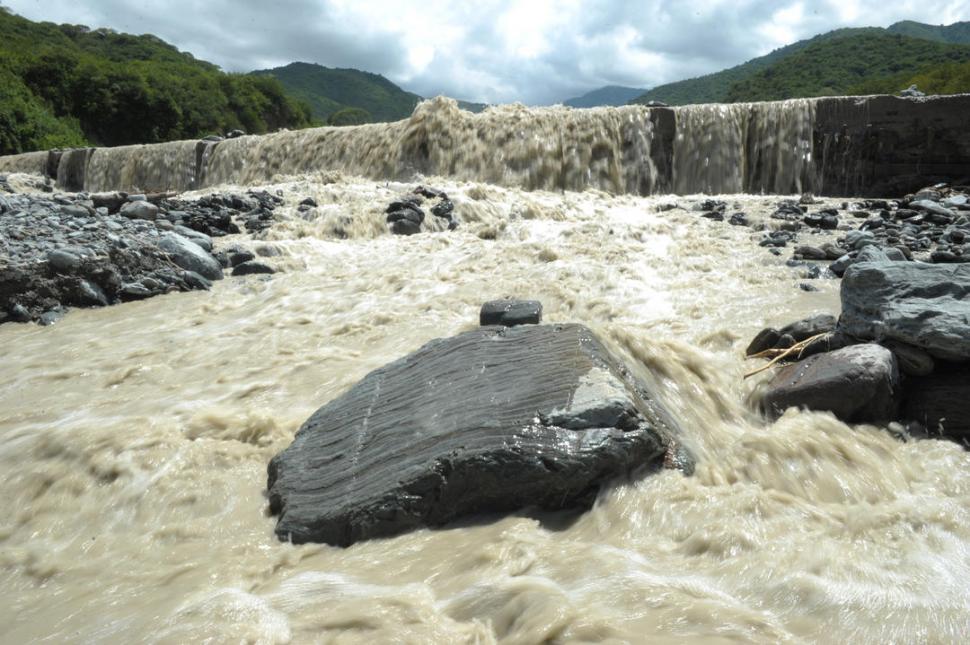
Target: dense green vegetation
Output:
{"points": [[328, 91], [956, 34], [67, 85], [609, 95], [733, 83], [834, 67], [949, 78]]}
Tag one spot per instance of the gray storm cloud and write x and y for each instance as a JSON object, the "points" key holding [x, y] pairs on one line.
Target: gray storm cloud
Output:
{"points": [[534, 51]]}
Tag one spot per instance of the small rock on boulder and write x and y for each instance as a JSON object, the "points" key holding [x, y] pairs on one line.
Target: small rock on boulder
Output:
{"points": [[510, 313]]}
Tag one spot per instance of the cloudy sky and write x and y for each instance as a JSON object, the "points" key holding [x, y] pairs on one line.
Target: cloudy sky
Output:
{"points": [[533, 51]]}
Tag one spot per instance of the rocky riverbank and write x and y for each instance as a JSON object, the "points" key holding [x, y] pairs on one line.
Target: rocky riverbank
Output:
{"points": [[62, 250]]}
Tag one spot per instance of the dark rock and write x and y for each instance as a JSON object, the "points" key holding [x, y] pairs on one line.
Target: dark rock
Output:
{"points": [[765, 339], [140, 210], [238, 256], [405, 227], [925, 305], [90, 294], [858, 384], [310, 202], [717, 216], [51, 317], [190, 256], [810, 253], [511, 313], [196, 281], [252, 268], [912, 361], [63, 261], [738, 219], [235, 134], [808, 327], [406, 214], [940, 402], [443, 209], [493, 420], [806, 286]]}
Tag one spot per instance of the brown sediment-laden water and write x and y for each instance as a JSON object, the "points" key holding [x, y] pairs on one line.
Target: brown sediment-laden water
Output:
{"points": [[134, 438]]}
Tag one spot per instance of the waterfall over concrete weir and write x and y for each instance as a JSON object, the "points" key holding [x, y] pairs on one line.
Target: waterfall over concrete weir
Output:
{"points": [[832, 146]]}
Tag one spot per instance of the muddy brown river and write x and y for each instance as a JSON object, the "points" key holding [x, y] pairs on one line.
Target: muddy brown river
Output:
{"points": [[134, 439]]}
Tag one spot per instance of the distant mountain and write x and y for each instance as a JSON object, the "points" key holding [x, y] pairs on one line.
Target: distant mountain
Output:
{"points": [[716, 87], [956, 34], [328, 91], [609, 95], [349, 96], [834, 67]]}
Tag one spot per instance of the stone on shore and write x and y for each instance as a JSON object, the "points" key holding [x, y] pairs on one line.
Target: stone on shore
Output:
{"points": [[190, 256], [492, 420], [924, 305], [858, 384]]}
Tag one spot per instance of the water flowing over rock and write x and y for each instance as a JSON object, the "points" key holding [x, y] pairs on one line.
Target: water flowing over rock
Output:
{"points": [[858, 384], [924, 305], [492, 420], [830, 146]]}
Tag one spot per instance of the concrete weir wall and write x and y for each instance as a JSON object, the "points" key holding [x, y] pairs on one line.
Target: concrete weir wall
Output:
{"points": [[835, 146]]}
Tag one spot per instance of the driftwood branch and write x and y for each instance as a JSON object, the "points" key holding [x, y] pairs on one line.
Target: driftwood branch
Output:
{"points": [[777, 355]]}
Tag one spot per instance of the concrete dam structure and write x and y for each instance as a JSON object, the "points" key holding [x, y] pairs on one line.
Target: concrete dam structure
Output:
{"points": [[834, 146]]}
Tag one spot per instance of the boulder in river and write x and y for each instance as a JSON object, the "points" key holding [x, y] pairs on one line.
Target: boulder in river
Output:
{"points": [[492, 420], [858, 384], [510, 313], [924, 305]]}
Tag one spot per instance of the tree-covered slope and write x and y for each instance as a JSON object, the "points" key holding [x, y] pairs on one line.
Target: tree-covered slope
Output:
{"points": [[718, 87], [608, 95], [68, 85], [329, 91], [714, 88], [834, 67], [956, 34]]}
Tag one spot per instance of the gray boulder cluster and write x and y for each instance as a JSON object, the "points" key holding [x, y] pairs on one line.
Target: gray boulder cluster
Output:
{"points": [[492, 420], [900, 351], [405, 216], [89, 250]]}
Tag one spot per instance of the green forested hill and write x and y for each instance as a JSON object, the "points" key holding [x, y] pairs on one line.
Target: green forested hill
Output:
{"points": [[719, 86], [608, 95], [956, 34], [68, 85], [714, 88], [330, 91], [834, 67]]}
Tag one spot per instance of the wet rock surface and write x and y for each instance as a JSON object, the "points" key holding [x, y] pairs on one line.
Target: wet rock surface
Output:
{"points": [[510, 313], [67, 250], [927, 306], [405, 216], [492, 420], [859, 384]]}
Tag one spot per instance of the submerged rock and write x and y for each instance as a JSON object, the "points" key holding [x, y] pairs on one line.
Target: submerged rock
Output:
{"points": [[491, 420], [924, 305], [858, 384]]}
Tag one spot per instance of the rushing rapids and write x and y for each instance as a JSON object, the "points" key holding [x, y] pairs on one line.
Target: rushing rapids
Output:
{"points": [[134, 439], [835, 146]]}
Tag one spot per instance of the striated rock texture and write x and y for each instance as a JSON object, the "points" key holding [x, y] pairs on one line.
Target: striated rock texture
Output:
{"points": [[924, 305], [491, 420]]}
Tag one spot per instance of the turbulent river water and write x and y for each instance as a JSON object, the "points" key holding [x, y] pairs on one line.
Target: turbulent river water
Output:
{"points": [[134, 441]]}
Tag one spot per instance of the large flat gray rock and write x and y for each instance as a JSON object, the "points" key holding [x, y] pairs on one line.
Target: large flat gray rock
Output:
{"points": [[925, 305], [492, 420]]}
